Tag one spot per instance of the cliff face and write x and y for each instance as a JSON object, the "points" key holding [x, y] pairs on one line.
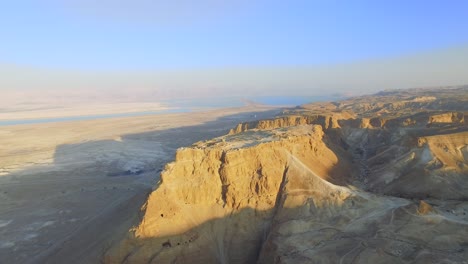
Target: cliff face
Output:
{"points": [[215, 203], [309, 187], [327, 121]]}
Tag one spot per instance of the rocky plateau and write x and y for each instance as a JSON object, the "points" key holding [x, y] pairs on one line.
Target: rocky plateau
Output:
{"points": [[373, 179]]}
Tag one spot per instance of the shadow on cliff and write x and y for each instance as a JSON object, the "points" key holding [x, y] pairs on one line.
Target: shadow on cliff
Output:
{"points": [[38, 185], [245, 237], [235, 238], [240, 235]]}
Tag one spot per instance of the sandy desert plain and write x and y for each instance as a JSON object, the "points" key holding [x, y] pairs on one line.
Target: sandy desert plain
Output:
{"points": [[69, 190]]}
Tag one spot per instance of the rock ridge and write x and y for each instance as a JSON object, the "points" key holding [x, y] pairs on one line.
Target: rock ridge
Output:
{"points": [[322, 183]]}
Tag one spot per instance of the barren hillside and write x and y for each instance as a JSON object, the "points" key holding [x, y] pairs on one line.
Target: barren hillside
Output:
{"points": [[375, 179]]}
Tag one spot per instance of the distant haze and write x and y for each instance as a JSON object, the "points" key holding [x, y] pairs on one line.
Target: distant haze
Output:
{"points": [[438, 68], [141, 50]]}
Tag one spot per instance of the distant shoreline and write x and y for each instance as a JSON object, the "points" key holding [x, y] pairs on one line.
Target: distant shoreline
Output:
{"points": [[89, 117], [169, 107]]}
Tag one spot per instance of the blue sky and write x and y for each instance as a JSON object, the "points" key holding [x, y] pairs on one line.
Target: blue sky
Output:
{"points": [[142, 49], [142, 34]]}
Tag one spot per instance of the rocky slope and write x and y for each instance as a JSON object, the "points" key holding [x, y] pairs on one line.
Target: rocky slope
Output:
{"points": [[381, 179]]}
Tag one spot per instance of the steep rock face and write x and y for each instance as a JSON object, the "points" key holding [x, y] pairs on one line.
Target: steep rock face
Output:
{"points": [[450, 117], [215, 203], [378, 179], [327, 121]]}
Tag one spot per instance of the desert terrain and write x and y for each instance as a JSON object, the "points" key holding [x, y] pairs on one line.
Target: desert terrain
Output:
{"points": [[374, 179], [46, 110], [69, 190]]}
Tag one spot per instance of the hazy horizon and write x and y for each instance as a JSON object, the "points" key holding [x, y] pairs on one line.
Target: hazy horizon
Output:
{"points": [[155, 50]]}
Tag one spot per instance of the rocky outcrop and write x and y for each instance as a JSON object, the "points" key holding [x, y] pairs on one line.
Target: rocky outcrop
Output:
{"points": [[310, 187], [450, 117], [215, 203], [326, 121]]}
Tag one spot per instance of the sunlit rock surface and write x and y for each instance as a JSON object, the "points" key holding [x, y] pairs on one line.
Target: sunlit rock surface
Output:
{"points": [[375, 179]]}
